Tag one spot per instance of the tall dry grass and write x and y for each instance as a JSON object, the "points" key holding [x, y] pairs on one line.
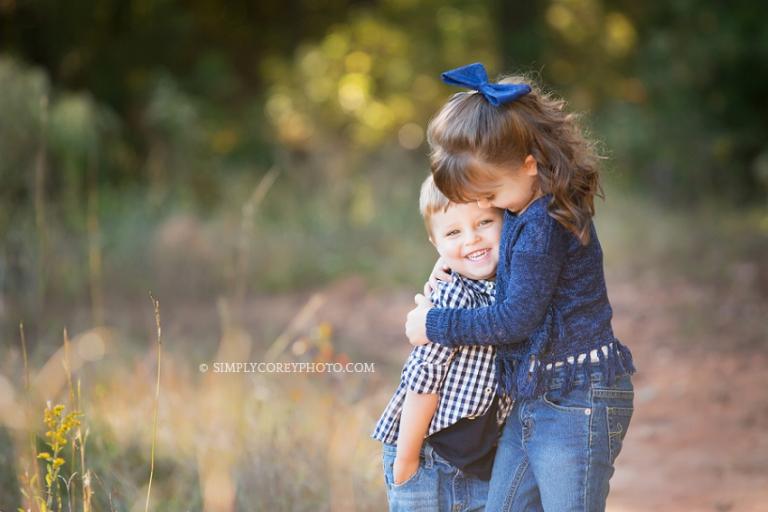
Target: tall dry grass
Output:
{"points": [[134, 439], [214, 441]]}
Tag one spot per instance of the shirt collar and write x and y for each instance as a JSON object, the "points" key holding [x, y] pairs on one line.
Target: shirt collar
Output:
{"points": [[484, 286]]}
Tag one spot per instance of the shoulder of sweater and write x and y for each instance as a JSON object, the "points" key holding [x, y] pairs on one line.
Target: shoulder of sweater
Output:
{"points": [[539, 231]]}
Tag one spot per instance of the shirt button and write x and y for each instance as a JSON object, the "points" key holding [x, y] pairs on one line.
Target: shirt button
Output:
{"points": [[488, 391]]}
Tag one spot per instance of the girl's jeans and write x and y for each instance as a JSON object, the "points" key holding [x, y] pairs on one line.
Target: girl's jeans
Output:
{"points": [[556, 452], [437, 485]]}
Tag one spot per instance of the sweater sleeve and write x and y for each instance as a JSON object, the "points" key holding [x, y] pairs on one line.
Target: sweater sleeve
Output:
{"points": [[533, 275]]}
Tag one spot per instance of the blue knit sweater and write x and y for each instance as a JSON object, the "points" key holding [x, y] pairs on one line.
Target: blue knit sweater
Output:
{"points": [[551, 304]]}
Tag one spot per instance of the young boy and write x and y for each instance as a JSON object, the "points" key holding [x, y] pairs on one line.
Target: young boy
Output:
{"points": [[448, 395]]}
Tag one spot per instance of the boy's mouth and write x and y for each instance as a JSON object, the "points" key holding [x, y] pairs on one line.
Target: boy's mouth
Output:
{"points": [[477, 255]]}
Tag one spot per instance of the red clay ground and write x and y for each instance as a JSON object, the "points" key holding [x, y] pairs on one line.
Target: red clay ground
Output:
{"points": [[698, 438]]}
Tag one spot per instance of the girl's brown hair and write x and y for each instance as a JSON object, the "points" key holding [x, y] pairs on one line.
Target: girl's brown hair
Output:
{"points": [[469, 130]]}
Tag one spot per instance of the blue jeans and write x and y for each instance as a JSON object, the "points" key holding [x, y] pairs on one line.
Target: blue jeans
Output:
{"points": [[437, 485], [556, 452]]}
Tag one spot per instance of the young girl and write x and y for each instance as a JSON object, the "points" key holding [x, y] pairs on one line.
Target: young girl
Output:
{"points": [[511, 146]]}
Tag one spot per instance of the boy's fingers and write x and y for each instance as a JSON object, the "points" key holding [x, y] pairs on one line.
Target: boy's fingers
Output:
{"points": [[422, 300]]}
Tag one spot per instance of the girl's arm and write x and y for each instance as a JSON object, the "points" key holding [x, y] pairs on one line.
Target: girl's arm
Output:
{"points": [[533, 270], [533, 278]]}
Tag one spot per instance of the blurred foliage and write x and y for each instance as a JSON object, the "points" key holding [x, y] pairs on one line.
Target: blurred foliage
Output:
{"points": [[134, 134], [141, 128], [21, 137], [677, 89], [194, 88]]}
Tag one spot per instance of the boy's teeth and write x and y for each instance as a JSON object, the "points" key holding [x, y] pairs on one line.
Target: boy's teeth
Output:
{"points": [[477, 254]]}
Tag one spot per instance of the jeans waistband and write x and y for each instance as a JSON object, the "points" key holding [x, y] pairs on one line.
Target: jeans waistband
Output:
{"points": [[559, 376]]}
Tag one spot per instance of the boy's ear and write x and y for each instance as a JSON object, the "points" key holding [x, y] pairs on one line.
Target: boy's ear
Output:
{"points": [[530, 166]]}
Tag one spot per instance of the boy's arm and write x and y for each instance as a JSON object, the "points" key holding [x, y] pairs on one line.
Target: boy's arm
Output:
{"points": [[415, 418], [428, 365]]}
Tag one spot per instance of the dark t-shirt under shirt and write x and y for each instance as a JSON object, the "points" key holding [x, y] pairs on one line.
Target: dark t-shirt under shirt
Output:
{"points": [[470, 444]]}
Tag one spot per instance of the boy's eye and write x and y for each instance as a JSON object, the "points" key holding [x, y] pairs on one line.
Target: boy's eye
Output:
{"points": [[452, 232], [486, 221]]}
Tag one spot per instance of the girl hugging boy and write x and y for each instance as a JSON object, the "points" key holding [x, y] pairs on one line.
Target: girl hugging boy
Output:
{"points": [[510, 146]]}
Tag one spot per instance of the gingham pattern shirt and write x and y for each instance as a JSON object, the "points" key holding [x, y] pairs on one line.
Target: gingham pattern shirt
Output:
{"points": [[464, 376]]}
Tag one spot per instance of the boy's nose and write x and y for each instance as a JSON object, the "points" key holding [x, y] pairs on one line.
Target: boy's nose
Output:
{"points": [[472, 237]]}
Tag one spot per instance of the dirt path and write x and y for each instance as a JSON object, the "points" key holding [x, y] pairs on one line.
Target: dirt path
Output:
{"points": [[698, 439]]}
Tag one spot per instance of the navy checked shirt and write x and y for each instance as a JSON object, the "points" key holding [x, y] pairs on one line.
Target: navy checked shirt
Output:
{"points": [[463, 376]]}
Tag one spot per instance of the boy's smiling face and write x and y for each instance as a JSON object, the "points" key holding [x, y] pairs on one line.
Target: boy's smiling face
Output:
{"points": [[467, 238]]}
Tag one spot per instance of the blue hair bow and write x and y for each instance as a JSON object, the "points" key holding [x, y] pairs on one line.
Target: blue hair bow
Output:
{"points": [[473, 76]]}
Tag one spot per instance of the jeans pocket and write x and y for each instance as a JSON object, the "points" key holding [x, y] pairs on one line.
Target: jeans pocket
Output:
{"points": [[411, 479], [577, 401], [419, 492], [618, 419], [389, 472]]}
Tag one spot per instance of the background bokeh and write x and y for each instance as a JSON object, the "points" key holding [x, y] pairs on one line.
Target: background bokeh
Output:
{"points": [[255, 165]]}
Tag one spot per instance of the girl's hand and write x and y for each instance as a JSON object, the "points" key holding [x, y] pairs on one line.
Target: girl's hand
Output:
{"points": [[403, 469], [439, 273], [416, 322]]}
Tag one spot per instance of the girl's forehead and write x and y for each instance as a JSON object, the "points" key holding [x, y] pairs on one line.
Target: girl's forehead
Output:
{"points": [[470, 178], [485, 175], [477, 187]]}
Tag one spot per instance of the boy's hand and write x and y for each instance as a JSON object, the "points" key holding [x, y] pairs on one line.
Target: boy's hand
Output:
{"points": [[439, 273], [416, 322], [404, 468]]}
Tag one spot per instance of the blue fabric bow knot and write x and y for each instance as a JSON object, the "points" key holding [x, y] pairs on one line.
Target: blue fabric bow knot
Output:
{"points": [[473, 76]]}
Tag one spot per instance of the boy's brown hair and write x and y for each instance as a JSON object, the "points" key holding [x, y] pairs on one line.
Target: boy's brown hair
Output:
{"points": [[431, 201]]}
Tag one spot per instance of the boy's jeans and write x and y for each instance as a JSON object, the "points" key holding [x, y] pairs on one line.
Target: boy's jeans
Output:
{"points": [[556, 452], [437, 485]]}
